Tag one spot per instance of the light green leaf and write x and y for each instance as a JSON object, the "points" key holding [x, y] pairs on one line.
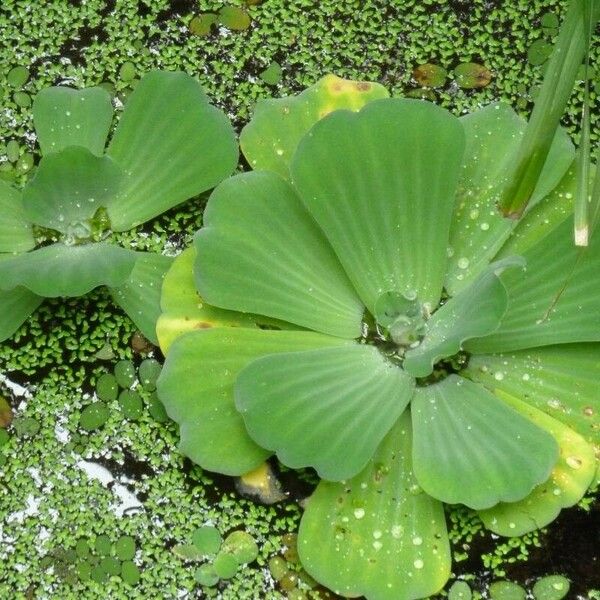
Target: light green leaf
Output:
{"points": [[15, 229], [184, 310], [377, 535], [470, 448], [561, 381], [260, 251], [568, 482], [271, 137], [381, 185], [60, 270], [68, 188], [66, 117], [15, 307], [327, 408], [196, 387], [139, 296], [493, 135], [172, 144], [556, 300], [473, 312]]}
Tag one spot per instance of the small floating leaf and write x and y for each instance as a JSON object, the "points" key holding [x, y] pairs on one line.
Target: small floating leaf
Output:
{"points": [[13, 150], [103, 545], [549, 20], [107, 387], [234, 18], [242, 545], [207, 540], [148, 373], [125, 547], [460, 590], [226, 565], [22, 99], [156, 409], [17, 77], [94, 416], [25, 163], [4, 437], [206, 575], [202, 24], [125, 373], [127, 71], [131, 404], [272, 74], [539, 52], [6, 414], [130, 574], [187, 552], [26, 426], [506, 590], [472, 75], [553, 587], [430, 75]]}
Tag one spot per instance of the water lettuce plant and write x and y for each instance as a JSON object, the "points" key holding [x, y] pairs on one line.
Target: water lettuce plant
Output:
{"points": [[169, 145], [359, 305]]}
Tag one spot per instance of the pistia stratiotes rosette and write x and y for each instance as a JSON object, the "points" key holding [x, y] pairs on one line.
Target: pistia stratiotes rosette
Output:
{"points": [[170, 144], [419, 355]]}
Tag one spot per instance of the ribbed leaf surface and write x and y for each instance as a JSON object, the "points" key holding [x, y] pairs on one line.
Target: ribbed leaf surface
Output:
{"points": [[471, 448], [271, 137], [196, 387], [493, 135], [15, 306], [377, 535], [381, 185], [139, 296], [15, 229], [568, 482], [66, 117], [561, 381], [172, 144], [557, 299], [260, 251], [68, 188], [327, 408], [60, 270]]}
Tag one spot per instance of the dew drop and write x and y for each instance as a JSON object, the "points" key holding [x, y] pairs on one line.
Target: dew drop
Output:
{"points": [[419, 564], [574, 462], [463, 263], [359, 513]]}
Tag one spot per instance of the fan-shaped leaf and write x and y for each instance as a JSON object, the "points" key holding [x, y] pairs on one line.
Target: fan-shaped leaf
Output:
{"points": [[561, 381], [493, 135], [327, 408], [60, 270], [377, 535], [381, 185], [172, 144], [470, 448], [261, 252], [15, 229], [15, 306], [570, 479], [66, 117], [68, 188], [473, 312], [139, 296], [196, 387], [277, 126]]}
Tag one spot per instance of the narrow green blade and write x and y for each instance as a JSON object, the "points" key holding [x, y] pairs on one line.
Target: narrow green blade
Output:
{"points": [[15, 307], [60, 270], [15, 229], [556, 301], [377, 535], [474, 312], [260, 251], [381, 185], [478, 228], [327, 408], [68, 188], [172, 144], [196, 387], [271, 137], [139, 296], [66, 117], [561, 381], [471, 448], [568, 482]]}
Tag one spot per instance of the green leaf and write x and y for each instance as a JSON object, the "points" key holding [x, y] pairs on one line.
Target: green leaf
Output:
{"points": [[478, 229], [381, 185], [561, 381], [472, 75], [15, 307], [60, 270], [68, 188], [66, 117], [328, 408], [470, 448], [553, 587], [506, 590], [172, 144], [260, 251], [196, 387], [556, 300], [568, 482], [271, 137], [15, 229], [377, 534], [139, 296], [473, 312]]}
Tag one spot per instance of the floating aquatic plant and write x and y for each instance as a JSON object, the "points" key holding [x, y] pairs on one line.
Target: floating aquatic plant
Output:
{"points": [[55, 234], [410, 347]]}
